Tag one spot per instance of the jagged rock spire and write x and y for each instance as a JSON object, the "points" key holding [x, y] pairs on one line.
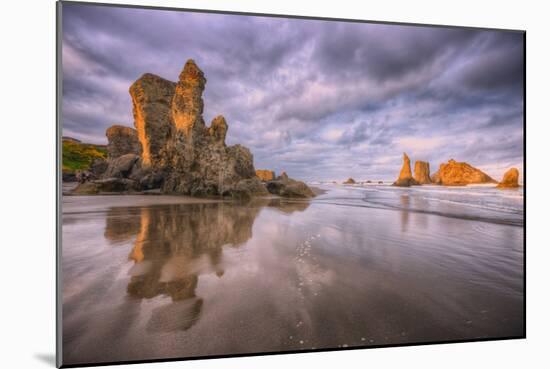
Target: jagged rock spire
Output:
{"points": [[187, 104], [422, 172], [405, 176], [151, 98]]}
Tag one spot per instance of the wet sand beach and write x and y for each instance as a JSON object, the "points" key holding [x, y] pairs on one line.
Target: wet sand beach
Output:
{"points": [[147, 277]]}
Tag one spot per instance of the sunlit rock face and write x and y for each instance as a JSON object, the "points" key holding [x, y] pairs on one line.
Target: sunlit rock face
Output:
{"points": [[191, 158], [187, 104], [422, 172], [510, 179], [455, 173], [152, 100], [265, 174], [350, 181], [122, 140], [405, 176]]}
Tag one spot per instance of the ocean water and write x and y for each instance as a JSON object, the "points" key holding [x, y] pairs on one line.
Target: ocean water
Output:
{"points": [[485, 203], [147, 277]]}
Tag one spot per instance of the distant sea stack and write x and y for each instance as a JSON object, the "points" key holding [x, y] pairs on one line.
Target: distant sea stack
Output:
{"points": [[510, 179], [455, 173], [350, 181], [405, 176], [422, 172], [265, 175], [172, 149]]}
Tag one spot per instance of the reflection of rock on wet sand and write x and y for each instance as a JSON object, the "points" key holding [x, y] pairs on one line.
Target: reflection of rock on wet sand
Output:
{"points": [[286, 206], [405, 203], [176, 243], [122, 224]]}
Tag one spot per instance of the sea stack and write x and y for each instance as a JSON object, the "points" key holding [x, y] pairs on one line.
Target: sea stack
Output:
{"points": [[454, 173], [173, 151], [422, 172], [405, 176], [151, 98], [510, 179], [195, 159], [350, 181], [187, 103], [265, 175]]}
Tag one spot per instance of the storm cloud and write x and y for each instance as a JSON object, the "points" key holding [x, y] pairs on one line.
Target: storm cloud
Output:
{"points": [[322, 100]]}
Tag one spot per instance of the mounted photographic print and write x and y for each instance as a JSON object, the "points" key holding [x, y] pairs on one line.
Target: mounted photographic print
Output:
{"points": [[243, 184]]}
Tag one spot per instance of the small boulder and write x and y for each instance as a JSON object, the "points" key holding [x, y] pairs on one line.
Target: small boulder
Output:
{"points": [[253, 185], [95, 171], [151, 181], [121, 167], [289, 188], [275, 186], [69, 177], [106, 185], [84, 176], [510, 179], [248, 188], [296, 189], [98, 167]]}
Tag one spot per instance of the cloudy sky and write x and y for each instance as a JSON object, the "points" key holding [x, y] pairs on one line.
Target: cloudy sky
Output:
{"points": [[321, 100]]}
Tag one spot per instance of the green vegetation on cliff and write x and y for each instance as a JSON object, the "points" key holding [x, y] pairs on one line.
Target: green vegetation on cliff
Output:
{"points": [[79, 156]]}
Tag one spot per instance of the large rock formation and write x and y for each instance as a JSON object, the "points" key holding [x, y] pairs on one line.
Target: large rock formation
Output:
{"points": [[152, 101], [405, 176], [510, 179], [265, 175], [122, 140], [422, 172], [350, 181], [456, 173], [177, 152], [193, 159]]}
